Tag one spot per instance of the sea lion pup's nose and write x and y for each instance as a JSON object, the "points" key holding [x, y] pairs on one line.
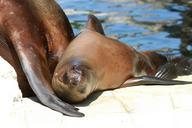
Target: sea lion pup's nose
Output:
{"points": [[74, 76]]}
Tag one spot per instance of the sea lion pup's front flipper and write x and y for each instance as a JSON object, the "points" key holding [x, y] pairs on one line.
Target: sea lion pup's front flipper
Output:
{"points": [[167, 71], [150, 80], [178, 66], [164, 74], [94, 24], [22, 30]]}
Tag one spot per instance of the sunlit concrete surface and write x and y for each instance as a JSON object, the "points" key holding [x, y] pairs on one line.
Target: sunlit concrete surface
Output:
{"points": [[132, 107]]}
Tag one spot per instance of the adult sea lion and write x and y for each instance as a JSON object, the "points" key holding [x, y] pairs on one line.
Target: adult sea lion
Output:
{"points": [[93, 62], [33, 36]]}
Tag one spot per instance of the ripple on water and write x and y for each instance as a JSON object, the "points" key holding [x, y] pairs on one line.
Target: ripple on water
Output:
{"points": [[138, 23]]}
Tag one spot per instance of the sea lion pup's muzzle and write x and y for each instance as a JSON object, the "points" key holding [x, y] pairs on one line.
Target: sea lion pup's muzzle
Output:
{"points": [[73, 82], [74, 77]]}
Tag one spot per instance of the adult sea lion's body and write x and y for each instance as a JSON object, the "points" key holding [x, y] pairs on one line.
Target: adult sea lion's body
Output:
{"points": [[93, 62], [33, 35]]}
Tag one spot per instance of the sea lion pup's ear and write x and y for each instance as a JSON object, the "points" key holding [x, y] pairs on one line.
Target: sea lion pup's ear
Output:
{"points": [[94, 24]]}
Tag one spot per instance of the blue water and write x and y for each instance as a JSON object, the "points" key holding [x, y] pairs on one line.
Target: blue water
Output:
{"points": [[163, 26]]}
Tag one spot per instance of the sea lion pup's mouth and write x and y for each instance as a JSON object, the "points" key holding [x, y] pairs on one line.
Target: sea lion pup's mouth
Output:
{"points": [[73, 82]]}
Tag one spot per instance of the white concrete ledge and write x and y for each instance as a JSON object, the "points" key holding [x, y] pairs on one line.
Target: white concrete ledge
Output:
{"points": [[132, 107]]}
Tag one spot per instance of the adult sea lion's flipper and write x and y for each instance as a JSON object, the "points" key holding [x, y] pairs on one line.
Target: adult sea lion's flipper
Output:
{"points": [[94, 24], [7, 52], [28, 41], [150, 80], [56, 26], [4, 49]]}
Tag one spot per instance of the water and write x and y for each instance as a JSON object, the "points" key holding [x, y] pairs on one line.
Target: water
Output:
{"points": [[164, 25]]}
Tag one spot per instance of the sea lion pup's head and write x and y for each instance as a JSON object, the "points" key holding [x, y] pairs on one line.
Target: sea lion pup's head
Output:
{"points": [[73, 81]]}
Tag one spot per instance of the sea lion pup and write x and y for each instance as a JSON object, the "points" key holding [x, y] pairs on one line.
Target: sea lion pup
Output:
{"points": [[93, 62], [33, 35]]}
